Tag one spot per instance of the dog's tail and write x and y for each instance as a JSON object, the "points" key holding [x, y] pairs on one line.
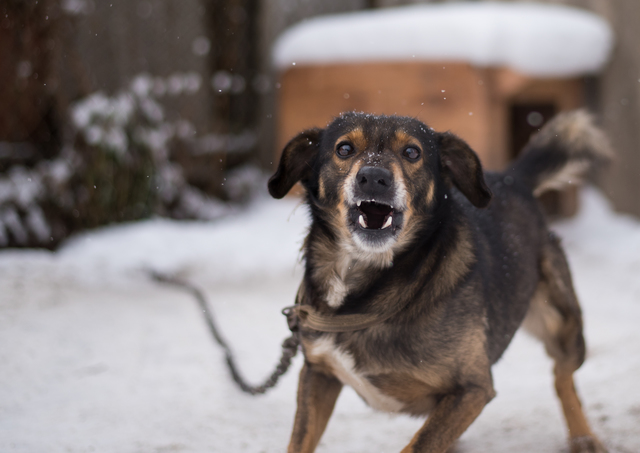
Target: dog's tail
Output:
{"points": [[568, 150]]}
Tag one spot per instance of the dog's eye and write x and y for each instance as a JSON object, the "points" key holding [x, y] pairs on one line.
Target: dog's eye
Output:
{"points": [[411, 153], [344, 150]]}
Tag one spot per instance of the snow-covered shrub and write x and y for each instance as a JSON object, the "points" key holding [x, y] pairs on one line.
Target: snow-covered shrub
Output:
{"points": [[25, 201], [121, 140], [126, 140], [116, 167]]}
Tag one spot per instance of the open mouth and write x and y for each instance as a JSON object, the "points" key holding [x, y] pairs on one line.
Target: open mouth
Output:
{"points": [[374, 216], [375, 225]]}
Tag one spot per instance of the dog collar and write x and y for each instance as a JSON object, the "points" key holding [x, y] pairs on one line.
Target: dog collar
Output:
{"points": [[307, 317]]}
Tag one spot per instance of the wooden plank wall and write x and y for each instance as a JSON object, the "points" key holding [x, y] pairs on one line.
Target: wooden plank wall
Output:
{"points": [[120, 39], [619, 101]]}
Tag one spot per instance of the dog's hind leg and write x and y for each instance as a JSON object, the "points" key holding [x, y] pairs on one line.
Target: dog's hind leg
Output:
{"points": [[317, 395], [556, 319]]}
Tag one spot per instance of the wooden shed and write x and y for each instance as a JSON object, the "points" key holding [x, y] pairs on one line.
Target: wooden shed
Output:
{"points": [[491, 73]]}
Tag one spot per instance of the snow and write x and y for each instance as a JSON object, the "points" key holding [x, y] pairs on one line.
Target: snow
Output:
{"points": [[95, 357], [534, 39], [20, 190], [76, 7], [105, 121], [230, 143]]}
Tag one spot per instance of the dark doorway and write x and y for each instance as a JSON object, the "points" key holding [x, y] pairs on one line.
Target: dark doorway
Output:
{"points": [[526, 120]]}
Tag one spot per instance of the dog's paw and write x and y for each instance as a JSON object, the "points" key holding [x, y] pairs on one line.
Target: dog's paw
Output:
{"points": [[587, 444]]}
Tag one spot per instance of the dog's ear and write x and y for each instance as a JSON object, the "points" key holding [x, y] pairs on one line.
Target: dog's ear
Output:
{"points": [[461, 167], [295, 162]]}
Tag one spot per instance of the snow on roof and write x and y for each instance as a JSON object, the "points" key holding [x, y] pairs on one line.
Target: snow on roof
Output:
{"points": [[535, 39]]}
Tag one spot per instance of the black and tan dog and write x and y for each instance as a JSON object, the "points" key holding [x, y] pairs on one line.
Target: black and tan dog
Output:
{"points": [[420, 268]]}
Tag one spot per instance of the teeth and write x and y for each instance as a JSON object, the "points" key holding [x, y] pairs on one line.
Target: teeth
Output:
{"points": [[359, 203], [387, 223], [362, 222]]}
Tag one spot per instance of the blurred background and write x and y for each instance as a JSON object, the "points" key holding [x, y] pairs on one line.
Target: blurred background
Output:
{"points": [[138, 135], [121, 110]]}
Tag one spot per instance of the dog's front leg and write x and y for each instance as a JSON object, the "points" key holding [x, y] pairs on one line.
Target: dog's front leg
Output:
{"points": [[450, 418], [317, 395]]}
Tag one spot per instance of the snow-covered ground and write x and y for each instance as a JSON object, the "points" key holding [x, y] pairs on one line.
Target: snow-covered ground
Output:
{"points": [[95, 357]]}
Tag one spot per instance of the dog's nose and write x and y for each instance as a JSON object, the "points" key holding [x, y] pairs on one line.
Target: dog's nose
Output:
{"points": [[374, 181]]}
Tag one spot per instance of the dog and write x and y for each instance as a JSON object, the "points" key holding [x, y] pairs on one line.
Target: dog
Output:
{"points": [[420, 267]]}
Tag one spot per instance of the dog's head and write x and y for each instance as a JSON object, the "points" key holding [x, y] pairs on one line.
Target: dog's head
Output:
{"points": [[375, 180]]}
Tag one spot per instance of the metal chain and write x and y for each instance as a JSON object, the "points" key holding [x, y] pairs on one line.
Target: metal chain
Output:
{"points": [[289, 346]]}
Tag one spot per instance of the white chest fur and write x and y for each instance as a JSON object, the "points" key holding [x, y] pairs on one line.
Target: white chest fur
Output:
{"points": [[341, 363]]}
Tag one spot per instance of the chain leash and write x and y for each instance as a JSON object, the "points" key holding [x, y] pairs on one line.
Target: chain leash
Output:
{"points": [[290, 346]]}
